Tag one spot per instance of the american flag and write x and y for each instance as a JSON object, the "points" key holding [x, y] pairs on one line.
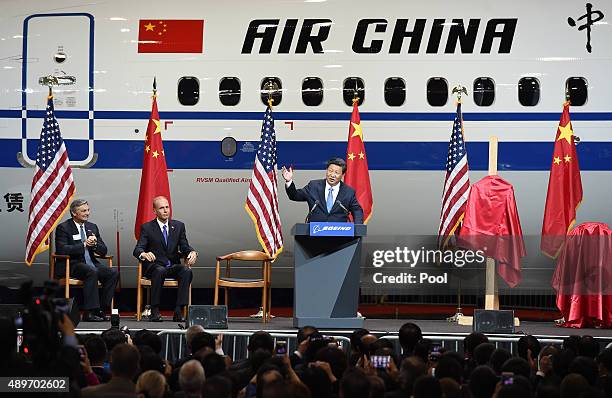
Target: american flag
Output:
{"points": [[52, 186], [456, 183], [262, 199]]}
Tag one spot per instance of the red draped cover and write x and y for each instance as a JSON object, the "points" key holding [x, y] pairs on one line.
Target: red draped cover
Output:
{"points": [[582, 278], [492, 224]]}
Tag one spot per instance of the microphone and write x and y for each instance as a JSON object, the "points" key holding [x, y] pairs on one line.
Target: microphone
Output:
{"points": [[341, 205], [311, 210]]}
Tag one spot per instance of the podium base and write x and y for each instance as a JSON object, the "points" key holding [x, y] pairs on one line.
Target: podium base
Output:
{"points": [[332, 323]]}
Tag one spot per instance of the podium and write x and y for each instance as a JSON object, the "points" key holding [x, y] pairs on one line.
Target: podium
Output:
{"points": [[327, 274]]}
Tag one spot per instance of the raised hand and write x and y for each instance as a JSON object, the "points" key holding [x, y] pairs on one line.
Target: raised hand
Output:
{"points": [[287, 173]]}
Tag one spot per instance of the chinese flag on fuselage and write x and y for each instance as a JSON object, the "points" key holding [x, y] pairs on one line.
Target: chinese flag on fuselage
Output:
{"points": [[357, 173], [564, 188], [170, 35], [154, 177]]}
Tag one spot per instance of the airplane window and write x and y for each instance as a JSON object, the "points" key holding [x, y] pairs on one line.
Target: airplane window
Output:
{"points": [[576, 90], [484, 91], [228, 147], [229, 91], [312, 91], [395, 91], [352, 86], [529, 91], [437, 91], [188, 90], [271, 86]]}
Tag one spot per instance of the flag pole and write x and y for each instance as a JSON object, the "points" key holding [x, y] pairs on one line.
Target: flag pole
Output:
{"points": [[492, 285], [458, 317]]}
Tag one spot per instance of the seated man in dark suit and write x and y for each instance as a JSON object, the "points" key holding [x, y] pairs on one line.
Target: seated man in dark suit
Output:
{"points": [[162, 244], [81, 240], [328, 199]]}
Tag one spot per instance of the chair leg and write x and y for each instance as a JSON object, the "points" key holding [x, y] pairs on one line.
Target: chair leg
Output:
{"points": [[185, 310], [264, 303], [138, 301]]}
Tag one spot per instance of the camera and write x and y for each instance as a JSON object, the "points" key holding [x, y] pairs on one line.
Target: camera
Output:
{"points": [[380, 361], [281, 349], [507, 378]]}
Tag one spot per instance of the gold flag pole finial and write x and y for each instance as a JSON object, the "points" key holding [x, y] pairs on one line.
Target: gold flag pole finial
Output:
{"points": [[459, 90], [154, 86]]}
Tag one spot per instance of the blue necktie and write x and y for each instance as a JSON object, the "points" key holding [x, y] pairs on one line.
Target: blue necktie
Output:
{"points": [[330, 199], [87, 256], [165, 233]]}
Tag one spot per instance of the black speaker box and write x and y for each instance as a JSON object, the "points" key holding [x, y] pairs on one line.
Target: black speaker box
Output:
{"points": [[208, 316], [493, 321]]}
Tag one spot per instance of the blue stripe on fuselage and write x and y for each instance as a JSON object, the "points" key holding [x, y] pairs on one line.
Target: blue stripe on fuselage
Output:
{"points": [[312, 155]]}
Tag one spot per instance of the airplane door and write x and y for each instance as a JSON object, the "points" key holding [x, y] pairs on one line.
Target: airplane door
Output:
{"points": [[59, 45]]}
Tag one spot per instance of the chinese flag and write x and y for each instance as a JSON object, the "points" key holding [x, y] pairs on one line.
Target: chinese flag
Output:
{"points": [[154, 177], [357, 173], [564, 189], [170, 36]]}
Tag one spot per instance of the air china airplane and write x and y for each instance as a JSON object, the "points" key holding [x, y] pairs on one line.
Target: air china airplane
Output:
{"points": [[215, 65]]}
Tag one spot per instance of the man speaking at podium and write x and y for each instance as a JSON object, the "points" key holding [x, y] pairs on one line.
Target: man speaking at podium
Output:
{"points": [[328, 199]]}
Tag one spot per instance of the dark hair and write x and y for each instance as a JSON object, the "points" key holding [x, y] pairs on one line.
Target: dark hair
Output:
{"points": [[605, 359], [471, 341], [336, 359], [482, 382], [355, 384], [449, 366], [213, 364], [96, 349], [498, 358], [588, 347], [149, 360], [125, 361], [586, 367], [528, 343], [572, 342], [217, 387], [409, 335], [261, 339], [113, 337], [304, 332], [356, 336], [338, 162], [518, 366], [148, 338], [317, 382], [427, 387], [483, 352], [202, 340]]}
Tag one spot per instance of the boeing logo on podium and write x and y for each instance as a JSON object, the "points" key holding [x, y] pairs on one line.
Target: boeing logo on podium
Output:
{"points": [[332, 229]]}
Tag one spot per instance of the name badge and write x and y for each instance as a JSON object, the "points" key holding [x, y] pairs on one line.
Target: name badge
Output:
{"points": [[76, 237]]}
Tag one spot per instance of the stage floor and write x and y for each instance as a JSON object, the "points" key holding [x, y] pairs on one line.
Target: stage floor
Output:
{"points": [[379, 326]]}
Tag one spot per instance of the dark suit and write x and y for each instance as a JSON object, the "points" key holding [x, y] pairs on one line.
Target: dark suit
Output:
{"points": [[66, 242], [314, 192], [152, 240]]}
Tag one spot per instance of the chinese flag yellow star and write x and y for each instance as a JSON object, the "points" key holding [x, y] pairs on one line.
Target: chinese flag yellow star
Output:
{"points": [[358, 132], [157, 123], [149, 26], [155, 154], [566, 133], [557, 160], [361, 155], [351, 156], [147, 148], [567, 158]]}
